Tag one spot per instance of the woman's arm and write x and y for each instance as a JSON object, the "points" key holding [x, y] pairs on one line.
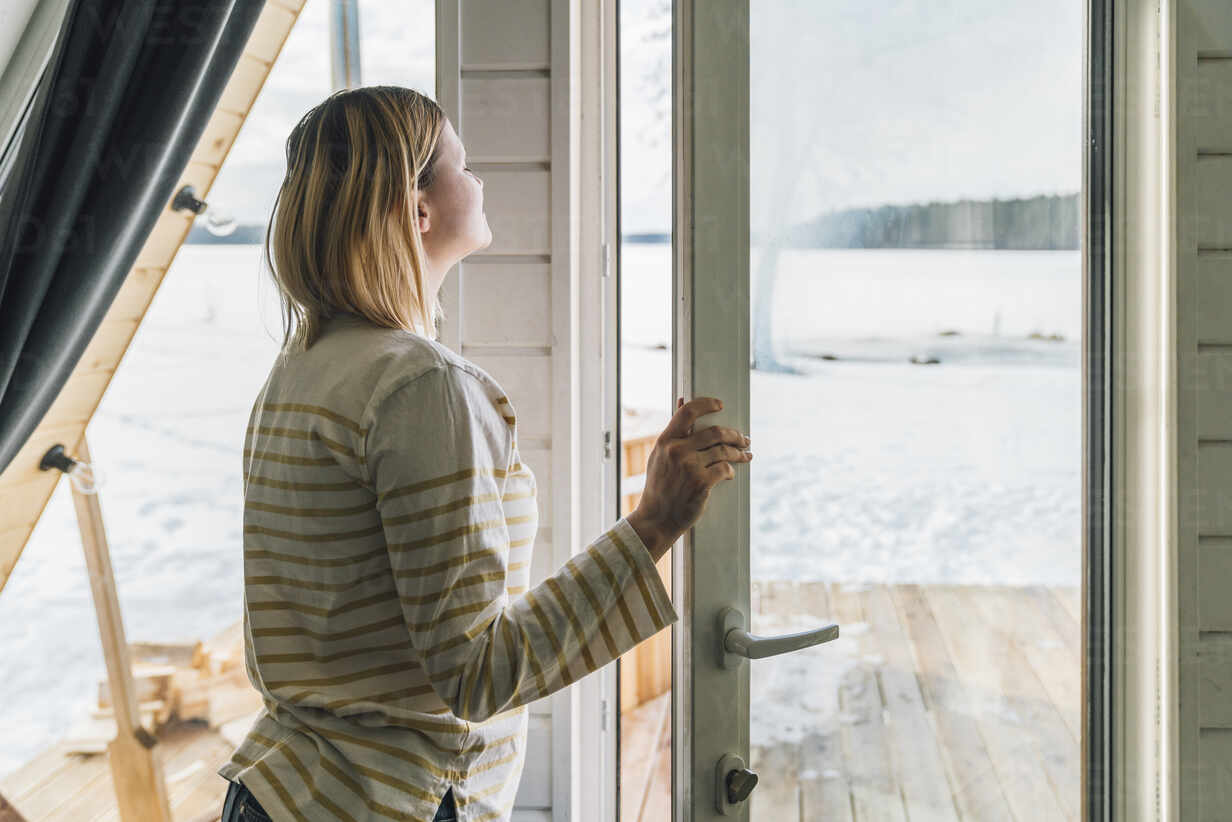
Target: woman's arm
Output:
{"points": [[437, 453]]}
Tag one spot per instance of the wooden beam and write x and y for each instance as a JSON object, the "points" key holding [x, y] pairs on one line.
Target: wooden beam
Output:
{"points": [[136, 769], [8, 813]]}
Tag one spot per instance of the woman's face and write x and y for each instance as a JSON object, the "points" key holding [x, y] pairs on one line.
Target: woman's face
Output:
{"points": [[452, 222]]}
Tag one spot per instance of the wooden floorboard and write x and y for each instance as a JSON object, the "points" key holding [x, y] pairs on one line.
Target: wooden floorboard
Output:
{"points": [[916, 755], [642, 734], [866, 740], [1004, 697], [1069, 597], [41, 800], [825, 792], [50, 761], [60, 787], [98, 796], [952, 703], [973, 779], [1041, 687], [658, 801], [776, 795]]}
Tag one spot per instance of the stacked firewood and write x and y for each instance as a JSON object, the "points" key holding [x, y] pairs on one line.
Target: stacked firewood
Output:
{"points": [[176, 682]]}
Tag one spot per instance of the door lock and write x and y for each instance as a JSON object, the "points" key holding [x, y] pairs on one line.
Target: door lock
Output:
{"points": [[733, 783]]}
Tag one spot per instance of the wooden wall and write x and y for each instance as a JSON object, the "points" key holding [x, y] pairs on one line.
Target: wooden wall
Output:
{"points": [[498, 80], [1204, 438]]}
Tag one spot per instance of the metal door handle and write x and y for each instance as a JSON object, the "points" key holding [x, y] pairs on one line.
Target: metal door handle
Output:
{"points": [[736, 643]]}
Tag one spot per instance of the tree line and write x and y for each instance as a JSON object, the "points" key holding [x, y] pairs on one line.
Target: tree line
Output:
{"points": [[1041, 222]]}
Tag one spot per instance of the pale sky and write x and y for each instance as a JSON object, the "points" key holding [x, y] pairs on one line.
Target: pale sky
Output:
{"points": [[853, 102]]}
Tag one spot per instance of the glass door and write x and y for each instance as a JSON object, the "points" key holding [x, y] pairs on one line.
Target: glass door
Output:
{"points": [[878, 267]]}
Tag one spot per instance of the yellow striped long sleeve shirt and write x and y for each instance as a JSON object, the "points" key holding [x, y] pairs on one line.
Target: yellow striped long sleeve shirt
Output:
{"points": [[389, 621]]}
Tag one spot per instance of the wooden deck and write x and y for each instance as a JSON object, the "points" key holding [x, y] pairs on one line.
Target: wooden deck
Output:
{"points": [[937, 702], [60, 787]]}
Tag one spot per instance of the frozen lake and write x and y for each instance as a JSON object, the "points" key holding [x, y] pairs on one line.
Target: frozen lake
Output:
{"points": [[868, 467]]}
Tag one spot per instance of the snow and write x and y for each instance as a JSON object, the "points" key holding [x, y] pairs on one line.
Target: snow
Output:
{"points": [[867, 468]]}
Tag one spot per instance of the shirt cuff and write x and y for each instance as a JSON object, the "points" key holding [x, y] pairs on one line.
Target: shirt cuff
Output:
{"points": [[645, 572]]}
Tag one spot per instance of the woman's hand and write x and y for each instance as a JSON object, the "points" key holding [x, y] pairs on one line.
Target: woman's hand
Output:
{"points": [[682, 469]]}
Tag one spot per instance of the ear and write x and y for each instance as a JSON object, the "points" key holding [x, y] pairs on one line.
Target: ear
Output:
{"points": [[422, 216]]}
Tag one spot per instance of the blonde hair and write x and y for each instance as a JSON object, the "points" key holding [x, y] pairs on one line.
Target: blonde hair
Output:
{"points": [[343, 232]]}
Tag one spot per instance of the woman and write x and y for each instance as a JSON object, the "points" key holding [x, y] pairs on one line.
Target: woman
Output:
{"points": [[389, 621]]}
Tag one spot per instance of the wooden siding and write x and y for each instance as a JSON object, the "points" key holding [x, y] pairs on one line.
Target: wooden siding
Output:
{"points": [[499, 80], [1204, 437]]}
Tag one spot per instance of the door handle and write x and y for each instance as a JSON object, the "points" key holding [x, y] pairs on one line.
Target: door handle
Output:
{"points": [[736, 643]]}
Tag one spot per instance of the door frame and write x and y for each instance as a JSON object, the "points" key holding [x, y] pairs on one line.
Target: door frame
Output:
{"points": [[1142, 484], [1097, 353], [710, 221]]}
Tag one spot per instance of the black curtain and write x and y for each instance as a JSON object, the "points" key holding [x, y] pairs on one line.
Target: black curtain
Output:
{"points": [[125, 97]]}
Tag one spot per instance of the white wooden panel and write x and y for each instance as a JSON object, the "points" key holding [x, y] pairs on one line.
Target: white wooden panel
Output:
{"points": [[1204, 221], [542, 563], [505, 32], [1208, 108], [517, 206], [535, 789], [523, 313], [1215, 775], [1214, 284], [1212, 208], [1211, 389], [527, 381], [1206, 24], [448, 90], [1214, 603], [1214, 502], [536, 815], [505, 118], [1215, 681], [540, 462]]}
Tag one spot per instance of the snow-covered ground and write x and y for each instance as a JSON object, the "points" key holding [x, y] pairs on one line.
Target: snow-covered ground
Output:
{"points": [[867, 467]]}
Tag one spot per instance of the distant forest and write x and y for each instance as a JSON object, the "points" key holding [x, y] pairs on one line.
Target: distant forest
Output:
{"points": [[1043, 222]]}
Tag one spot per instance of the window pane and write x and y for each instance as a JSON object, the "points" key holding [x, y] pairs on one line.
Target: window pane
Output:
{"points": [[916, 407]]}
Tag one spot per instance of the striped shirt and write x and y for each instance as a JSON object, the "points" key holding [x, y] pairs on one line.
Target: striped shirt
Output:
{"points": [[389, 620]]}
